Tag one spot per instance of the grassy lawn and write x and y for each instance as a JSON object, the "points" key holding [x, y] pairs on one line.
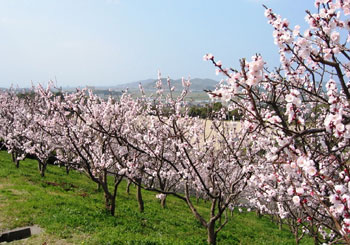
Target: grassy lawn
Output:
{"points": [[71, 211]]}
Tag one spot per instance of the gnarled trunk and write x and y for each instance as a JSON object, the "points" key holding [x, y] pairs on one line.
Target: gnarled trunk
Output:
{"points": [[210, 226], [110, 203], [110, 197]]}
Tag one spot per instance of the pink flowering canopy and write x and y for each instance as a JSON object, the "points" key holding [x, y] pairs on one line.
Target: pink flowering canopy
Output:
{"points": [[298, 117], [288, 156]]}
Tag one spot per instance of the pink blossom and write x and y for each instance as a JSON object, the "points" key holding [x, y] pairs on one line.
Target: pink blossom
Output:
{"points": [[296, 200]]}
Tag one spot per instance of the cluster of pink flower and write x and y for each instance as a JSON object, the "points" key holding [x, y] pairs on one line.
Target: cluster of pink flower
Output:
{"points": [[289, 158], [298, 118], [151, 142]]}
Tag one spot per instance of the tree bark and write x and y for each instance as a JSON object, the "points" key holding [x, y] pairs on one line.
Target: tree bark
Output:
{"points": [[113, 206], [316, 239], [110, 197], [163, 202], [110, 203], [128, 187], [258, 214], [139, 195], [39, 165], [296, 235], [211, 233], [42, 170], [280, 223], [14, 158]]}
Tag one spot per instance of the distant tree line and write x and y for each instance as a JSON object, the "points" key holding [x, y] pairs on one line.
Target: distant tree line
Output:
{"points": [[209, 111]]}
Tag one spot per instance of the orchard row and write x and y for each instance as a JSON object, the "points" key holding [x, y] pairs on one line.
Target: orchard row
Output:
{"points": [[288, 156]]}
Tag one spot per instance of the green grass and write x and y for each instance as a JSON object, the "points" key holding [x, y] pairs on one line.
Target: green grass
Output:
{"points": [[71, 211]]}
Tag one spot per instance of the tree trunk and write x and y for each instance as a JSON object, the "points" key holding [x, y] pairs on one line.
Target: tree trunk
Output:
{"points": [[113, 206], [110, 198], [296, 235], [211, 233], [13, 156], [163, 202], [128, 187], [42, 170], [139, 195], [316, 240], [258, 214], [280, 223], [110, 203], [39, 165]]}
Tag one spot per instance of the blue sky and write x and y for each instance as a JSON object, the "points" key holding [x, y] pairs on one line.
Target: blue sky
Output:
{"points": [[109, 42]]}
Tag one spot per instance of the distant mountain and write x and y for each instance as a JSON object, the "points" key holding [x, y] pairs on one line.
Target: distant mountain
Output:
{"points": [[133, 85], [197, 84]]}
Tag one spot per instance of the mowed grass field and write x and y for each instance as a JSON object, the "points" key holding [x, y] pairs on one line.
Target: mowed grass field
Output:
{"points": [[70, 210]]}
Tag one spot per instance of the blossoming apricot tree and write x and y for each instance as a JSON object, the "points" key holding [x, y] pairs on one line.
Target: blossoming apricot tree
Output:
{"points": [[298, 115], [180, 156]]}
